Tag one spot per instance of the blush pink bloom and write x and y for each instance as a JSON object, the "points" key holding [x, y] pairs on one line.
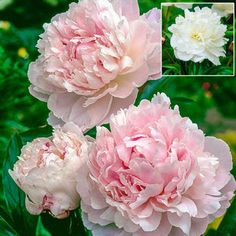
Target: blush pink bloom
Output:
{"points": [[154, 174], [93, 58], [47, 170]]}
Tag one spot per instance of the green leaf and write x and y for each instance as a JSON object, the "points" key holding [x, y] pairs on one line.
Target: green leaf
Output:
{"points": [[44, 131], [173, 67], [24, 223], [6, 229], [71, 226], [177, 100], [229, 33], [6, 224], [41, 230], [151, 88], [228, 224], [219, 70], [92, 132]]}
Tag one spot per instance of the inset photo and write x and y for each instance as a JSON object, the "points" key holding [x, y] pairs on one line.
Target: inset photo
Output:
{"points": [[198, 39]]}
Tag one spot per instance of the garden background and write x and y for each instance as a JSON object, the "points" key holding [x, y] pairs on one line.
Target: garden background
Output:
{"points": [[208, 101]]}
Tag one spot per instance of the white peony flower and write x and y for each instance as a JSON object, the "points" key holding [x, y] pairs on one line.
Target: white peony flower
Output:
{"points": [[47, 170], [198, 35], [223, 9]]}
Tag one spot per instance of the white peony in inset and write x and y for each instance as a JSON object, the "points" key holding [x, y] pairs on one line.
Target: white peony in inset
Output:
{"points": [[199, 35]]}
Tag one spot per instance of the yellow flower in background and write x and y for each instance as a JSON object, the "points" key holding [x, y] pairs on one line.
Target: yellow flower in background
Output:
{"points": [[5, 25], [22, 52]]}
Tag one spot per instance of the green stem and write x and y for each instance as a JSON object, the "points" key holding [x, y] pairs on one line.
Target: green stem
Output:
{"points": [[230, 60], [166, 18]]}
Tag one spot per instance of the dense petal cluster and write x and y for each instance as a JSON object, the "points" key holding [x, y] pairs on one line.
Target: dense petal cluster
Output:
{"points": [[47, 170], [154, 174], [198, 35], [93, 58]]}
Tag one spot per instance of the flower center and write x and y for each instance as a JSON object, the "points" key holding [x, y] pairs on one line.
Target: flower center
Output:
{"points": [[196, 36]]}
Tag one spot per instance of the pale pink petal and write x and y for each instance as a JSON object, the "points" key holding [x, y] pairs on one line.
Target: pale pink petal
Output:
{"points": [[85, 117], [128, 8], [183, 222], [36, 92], [221, 150]]}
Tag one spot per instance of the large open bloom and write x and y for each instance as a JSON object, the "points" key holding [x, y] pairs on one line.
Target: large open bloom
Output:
{"points": [[47, 170], [198, 35], [154, 174], [93, 58]]}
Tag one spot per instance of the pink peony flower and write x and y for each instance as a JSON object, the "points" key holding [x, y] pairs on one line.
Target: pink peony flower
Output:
{"points": [[47, 169], [93, 59], [154, 174]]}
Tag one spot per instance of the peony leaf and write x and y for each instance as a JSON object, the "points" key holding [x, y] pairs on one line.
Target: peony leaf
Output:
{"points": [[228, 224], [177, 100], [6, 224], [219, 70], [24, 223], [71, 226], [28, 136], [92, 132], [151, 88], [41, 230]]}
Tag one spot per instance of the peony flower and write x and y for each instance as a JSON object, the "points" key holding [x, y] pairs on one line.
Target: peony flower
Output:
{"points": [[154, 174], [47, 169], [198, 36], [93, 59], [223, 9]]}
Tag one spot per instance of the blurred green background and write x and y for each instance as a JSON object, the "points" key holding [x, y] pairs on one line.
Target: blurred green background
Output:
{"points": [[208, 101]]}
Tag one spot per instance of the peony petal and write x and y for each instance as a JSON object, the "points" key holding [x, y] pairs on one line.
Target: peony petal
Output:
{"points": [[127, 8], [187, 206], [151, 223], [39, 78], [198, 226], [220, 149], [33, 208], [39, 94], [183, 222], [85, 117], [153, 16]]}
